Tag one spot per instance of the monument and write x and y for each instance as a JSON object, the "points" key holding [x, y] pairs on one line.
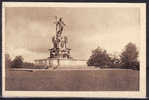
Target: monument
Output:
{"points": [[60, 50], [60, 53]]}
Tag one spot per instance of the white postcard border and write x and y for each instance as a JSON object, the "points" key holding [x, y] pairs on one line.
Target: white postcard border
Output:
{"points": [[95, 94]]}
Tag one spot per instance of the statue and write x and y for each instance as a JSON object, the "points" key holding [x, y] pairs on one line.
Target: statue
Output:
{"points": [[59, 26], [59, 49]]}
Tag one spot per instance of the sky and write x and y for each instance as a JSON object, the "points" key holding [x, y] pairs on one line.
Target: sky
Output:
{"points": [[29, 30]]}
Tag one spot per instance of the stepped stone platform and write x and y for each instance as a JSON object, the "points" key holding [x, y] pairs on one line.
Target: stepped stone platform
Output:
{"points": [[52, 62]]}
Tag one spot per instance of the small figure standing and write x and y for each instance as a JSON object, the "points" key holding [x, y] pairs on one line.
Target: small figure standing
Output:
{"points": [[59, 26]]}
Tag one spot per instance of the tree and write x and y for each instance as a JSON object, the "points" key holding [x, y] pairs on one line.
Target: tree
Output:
{"points": [[7, 60], [129, 57], [99, 58], [17, 62]]}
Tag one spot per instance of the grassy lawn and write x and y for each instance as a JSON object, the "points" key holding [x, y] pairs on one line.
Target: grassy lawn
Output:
{"points": [[73, 80]]}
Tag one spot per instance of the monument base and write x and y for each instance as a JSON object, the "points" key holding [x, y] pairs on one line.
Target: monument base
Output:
{"points": [[52, 62], [67, 62]]}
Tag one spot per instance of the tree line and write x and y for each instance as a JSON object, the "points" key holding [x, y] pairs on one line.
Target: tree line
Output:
{"points": [[127, 59], [18, 62]]}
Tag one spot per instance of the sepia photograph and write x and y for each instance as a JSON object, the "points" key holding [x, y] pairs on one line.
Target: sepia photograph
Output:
{"points": [[74, 49]]}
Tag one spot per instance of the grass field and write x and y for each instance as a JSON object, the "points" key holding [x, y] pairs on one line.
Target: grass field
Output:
{"points": [[73, 80]]}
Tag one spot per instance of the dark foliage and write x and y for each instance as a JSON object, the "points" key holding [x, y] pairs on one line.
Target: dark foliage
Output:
{"points": [[99, 58], [17, 62], [129, 57], [7, 61], [28, 65], [33, 66]]}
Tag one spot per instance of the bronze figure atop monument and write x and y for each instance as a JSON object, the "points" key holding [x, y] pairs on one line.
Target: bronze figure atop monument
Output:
{"points": [[60, 41], [59, 26]]}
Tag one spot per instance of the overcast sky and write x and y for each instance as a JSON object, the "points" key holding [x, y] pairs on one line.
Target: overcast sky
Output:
{"points": [[29, 30]]}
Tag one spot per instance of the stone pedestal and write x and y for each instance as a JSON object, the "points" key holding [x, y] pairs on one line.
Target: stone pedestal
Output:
{"points": [[60, 53], [67, 62], [60, 49]]}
